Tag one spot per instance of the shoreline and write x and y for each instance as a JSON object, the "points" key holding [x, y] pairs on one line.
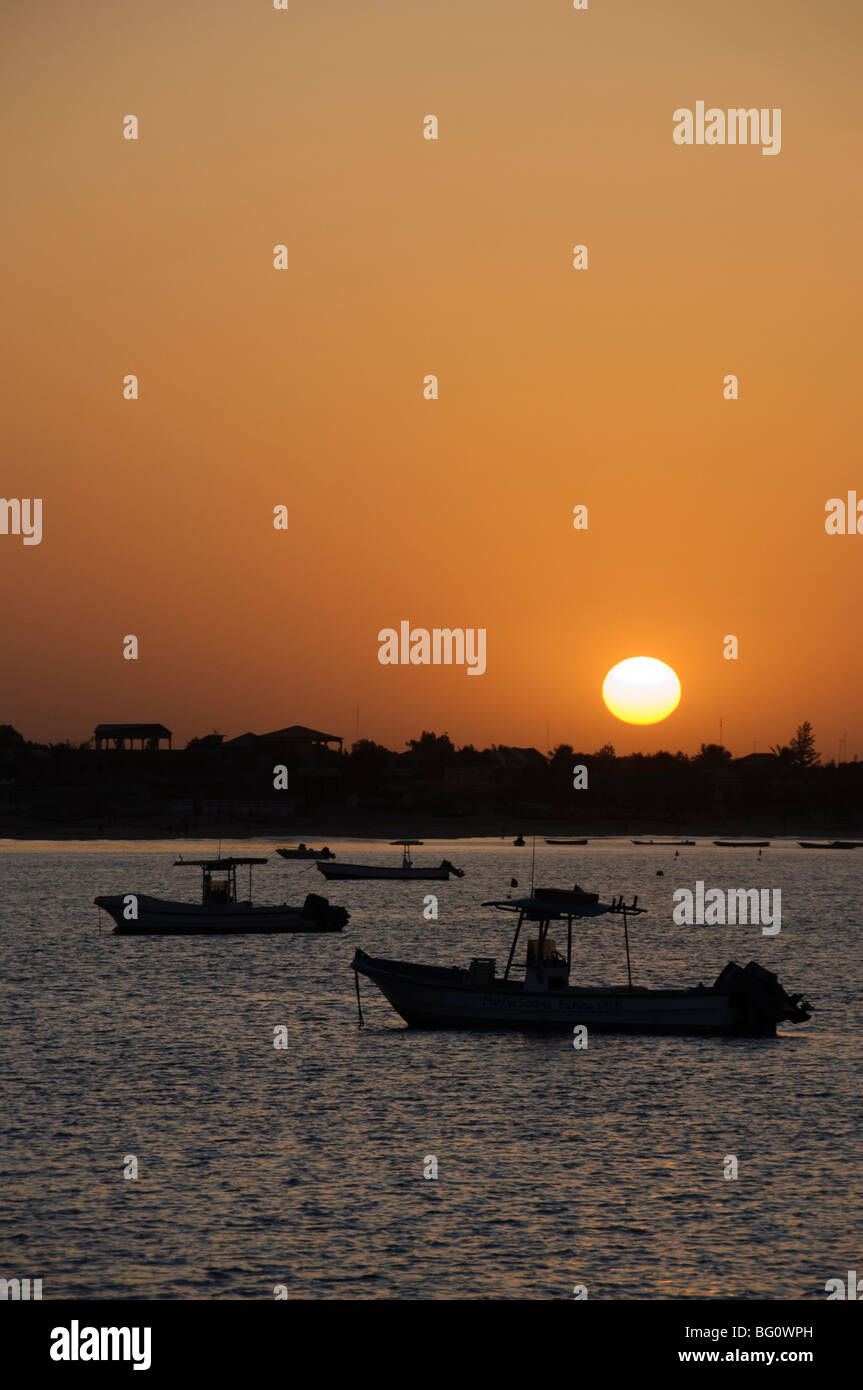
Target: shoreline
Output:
{"points": [[316, 833]]}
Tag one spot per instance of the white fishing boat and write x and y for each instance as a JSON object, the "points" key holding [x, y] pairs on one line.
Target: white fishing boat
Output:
{"points": [[221, 911], [743, 1002], [407, 869]]}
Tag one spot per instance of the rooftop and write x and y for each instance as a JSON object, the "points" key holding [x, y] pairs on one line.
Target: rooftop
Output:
{"points": [[131, 731], [294, 733]]}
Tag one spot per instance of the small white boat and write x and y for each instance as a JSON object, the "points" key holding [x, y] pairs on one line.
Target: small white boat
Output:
{"points": [[746, 1002], [220, 911], [407, 869]]}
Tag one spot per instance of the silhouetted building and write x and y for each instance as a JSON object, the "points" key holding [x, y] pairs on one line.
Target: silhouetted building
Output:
{"points": [[118, 735], [297, 742]]}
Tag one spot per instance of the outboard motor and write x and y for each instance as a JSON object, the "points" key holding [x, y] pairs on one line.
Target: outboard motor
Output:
{"points": [[317, 909], [791, 1007], [759, 992]]}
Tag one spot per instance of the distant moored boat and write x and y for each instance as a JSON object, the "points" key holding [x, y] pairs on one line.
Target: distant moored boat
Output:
{"points": [[832, 844], [304, 852], [742, 844], [406, 870], [220, 912], [659, 843]]}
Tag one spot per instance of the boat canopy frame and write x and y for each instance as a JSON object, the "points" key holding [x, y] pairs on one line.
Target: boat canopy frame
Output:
{"points": [[407, 862], [544, 911], [228, 867]]}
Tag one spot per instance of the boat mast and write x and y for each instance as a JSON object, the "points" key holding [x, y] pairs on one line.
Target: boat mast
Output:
{"points": [[626, 939]]}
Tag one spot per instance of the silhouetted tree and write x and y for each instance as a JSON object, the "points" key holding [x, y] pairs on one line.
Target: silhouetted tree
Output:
{"points": [[206, 740], [469, 754], [560, 761], [712, 755], [800, 752], [365, 750], [367, 763], [803, 752], [432, 752]]}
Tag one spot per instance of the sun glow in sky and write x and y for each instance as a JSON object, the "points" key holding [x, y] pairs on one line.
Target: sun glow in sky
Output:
{"points": [[304, 387], [641, 690]]}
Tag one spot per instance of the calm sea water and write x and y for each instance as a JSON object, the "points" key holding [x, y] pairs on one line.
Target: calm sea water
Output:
{"points": [[304, 1166]]}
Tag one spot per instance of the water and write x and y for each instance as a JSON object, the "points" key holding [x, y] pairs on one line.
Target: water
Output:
{"points": [[304, 1166]]}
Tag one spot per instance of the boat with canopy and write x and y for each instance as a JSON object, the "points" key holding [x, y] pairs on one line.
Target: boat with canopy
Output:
{"points": [[407, 869], [741, 1002], [221, 911], [302, 851]]}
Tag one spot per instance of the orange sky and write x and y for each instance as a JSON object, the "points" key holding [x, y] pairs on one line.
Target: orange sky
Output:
{"points": [[410, 257]]}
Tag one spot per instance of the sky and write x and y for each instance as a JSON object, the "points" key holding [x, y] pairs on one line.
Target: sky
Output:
{"points": [[408, 257]]}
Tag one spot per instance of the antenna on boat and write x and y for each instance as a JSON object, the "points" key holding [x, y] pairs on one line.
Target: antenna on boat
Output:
{"points": [[532, 863], [359, 1005], [626, 939]]}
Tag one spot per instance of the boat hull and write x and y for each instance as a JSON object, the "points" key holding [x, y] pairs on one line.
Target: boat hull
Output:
{"points": [[836, 844], [361, 871], [663, 844], [742, 844], [433, 997], [162, 917]]}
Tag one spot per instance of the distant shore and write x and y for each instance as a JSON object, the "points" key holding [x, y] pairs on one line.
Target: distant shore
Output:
{"points": [[316, 830]]}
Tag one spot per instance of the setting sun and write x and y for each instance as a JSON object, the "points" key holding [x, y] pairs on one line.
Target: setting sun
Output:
{"points": [[641, 690]]}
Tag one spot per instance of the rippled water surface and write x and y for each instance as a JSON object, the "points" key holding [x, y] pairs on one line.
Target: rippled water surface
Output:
{"points": [[304, 1166]]}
